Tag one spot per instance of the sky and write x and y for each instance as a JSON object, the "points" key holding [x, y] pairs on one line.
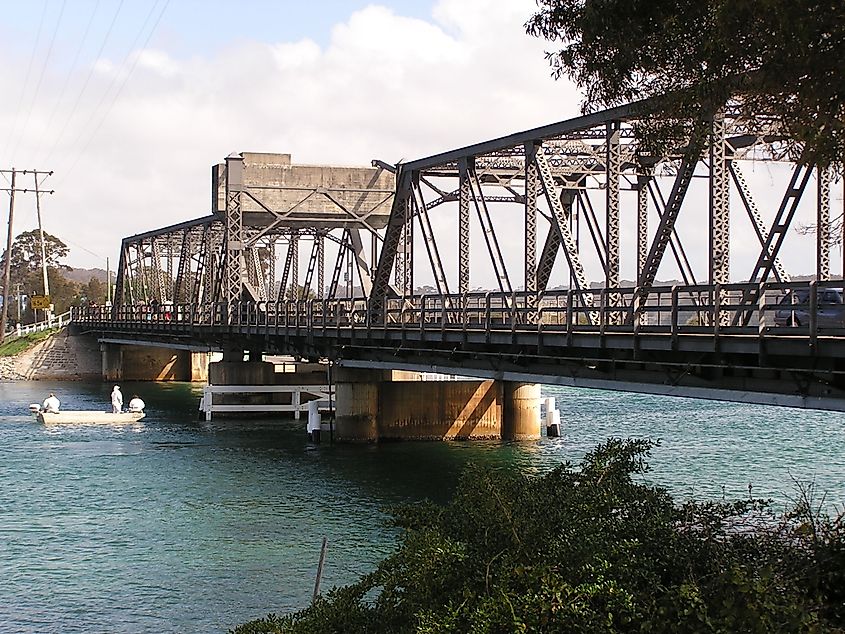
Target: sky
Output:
{"points": [[129, 103]]}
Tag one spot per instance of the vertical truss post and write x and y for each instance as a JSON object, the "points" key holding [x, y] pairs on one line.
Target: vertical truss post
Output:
{"points": [[531, 189], [719, 252], [643, 180], [399, 273], [321, 265], [234, 231], [465, 194], [170, 281], [613, 164], [642, 219], [823, 232], [350, 273], [271, 267], [294, 265]]}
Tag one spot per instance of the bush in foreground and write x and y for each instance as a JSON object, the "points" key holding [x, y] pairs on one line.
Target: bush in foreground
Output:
{"points": [[591, 549]]}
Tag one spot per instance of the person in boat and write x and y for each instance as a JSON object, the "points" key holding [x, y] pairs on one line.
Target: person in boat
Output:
{"points": [[116, 400], [51, 404], [136, 404]]}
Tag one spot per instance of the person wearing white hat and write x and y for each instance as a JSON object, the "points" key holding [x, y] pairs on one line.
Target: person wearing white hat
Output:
{"points": [[116, 400]]}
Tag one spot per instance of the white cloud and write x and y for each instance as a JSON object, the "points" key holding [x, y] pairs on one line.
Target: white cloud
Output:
{"points": [[384, 86]]}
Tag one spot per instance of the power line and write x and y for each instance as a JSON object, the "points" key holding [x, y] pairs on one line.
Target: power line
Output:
{"points": [[26, 80], [72, 68], [94, 114], [61, 134], [40, 78], [118, 92]]}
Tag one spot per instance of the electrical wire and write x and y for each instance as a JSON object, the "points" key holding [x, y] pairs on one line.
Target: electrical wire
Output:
{"points": [[40, 78], [26, 80], [95, 113], [78, 99], [72, 68], [118, 92]]}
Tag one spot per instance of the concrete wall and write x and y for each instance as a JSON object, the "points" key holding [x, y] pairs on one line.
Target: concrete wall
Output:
{"points": [[149, 363], [372, 407], [289, 183], [440, 410]]}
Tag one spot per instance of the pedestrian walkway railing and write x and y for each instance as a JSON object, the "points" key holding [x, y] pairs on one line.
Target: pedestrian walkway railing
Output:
{"points": [[790, 308], [55, 321]]}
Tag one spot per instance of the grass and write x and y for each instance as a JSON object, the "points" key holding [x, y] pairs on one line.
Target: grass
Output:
{"points": [[14, 347]]}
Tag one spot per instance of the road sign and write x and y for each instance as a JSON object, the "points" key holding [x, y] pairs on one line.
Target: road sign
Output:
{"points": [[39, 302]]}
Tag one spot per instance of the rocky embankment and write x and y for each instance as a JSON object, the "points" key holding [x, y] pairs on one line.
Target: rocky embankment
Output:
{"points": [[58, 358], [9, 369]]}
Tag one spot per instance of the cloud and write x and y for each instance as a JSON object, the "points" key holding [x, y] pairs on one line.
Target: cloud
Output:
{"points": [[383, 86]]}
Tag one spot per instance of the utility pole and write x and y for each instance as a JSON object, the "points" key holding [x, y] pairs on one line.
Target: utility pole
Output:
{"points": [[18, 287], [8, 264], [43, 249]]}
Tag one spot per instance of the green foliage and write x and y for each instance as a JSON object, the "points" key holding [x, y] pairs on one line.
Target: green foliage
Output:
{"points": [[779, 57], [590, 549], [295, 292], [26, 252], [13, 347]]}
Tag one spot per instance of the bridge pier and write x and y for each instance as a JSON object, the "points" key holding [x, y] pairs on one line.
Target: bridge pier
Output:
{"points": [[521, 420], [122, 362], [371, 406]]}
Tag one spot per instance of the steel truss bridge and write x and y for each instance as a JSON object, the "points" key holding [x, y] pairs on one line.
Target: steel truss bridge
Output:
{"points": [[525, 210]]}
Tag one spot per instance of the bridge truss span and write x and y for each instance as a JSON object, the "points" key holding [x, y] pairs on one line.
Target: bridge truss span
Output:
{"points": [[568, 250]]}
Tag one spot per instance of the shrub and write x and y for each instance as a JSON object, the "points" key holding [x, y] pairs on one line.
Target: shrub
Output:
{"points": [[590, 549]]}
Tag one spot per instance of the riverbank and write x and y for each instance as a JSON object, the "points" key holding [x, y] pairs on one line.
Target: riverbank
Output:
{"points": [[52, 356]]}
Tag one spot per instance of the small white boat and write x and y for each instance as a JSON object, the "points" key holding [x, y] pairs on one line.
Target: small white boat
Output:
{"points": [[83, 417]]}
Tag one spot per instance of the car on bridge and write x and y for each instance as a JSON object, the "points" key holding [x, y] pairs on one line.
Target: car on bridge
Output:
{"points": [[794, 308]]}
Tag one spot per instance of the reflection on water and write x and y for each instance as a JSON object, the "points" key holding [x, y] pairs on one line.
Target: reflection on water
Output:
{"points": [[173, 525]]}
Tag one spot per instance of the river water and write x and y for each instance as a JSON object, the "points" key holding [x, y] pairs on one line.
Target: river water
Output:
{"points": [[173, 525]]}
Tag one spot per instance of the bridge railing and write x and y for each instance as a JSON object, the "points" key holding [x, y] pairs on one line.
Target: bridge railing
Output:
{"points": [[789, 308], [55, 321]]}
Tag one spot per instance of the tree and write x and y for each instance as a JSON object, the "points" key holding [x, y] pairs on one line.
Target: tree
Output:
{"points": [[26, 253], [587, 549], [777, 57], [93, 291]]}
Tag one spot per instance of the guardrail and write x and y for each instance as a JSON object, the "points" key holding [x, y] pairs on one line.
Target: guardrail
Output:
{"points": [[57, 321], [321, 393], [790, 308]]}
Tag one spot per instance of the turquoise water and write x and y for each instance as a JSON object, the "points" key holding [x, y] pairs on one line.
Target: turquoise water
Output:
{"points": [[178, 526]]}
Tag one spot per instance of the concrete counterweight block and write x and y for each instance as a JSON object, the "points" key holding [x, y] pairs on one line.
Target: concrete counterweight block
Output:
{"points": [[521, 419]]}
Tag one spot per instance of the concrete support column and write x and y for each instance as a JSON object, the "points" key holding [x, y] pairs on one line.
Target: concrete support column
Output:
{"points": [[357, 404], [241, 373], [521, 416], [199, 367], [112, 361]]}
